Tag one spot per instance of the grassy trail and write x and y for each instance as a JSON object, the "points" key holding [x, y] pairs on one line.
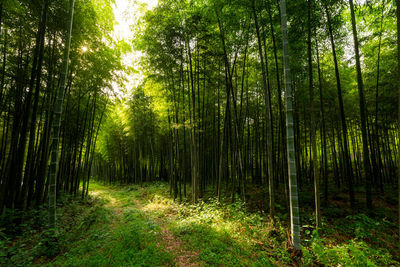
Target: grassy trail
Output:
{"points": [[142, 226], [120, 203]]}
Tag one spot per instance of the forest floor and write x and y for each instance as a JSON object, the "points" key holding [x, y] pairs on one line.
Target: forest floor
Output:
{"points": [[143, 226]]}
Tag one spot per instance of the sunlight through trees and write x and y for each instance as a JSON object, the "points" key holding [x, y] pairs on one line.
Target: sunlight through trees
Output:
{"points": [[289, 109]]}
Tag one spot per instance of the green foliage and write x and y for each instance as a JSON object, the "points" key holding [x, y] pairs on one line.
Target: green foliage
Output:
{"points": [[131, 243], [127, 225], [365, 226], [350, 253], [88, 234], [227, 234], [48, 245]]}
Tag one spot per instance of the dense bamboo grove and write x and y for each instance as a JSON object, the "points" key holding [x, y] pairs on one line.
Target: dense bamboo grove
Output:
{"points": [[211, 113], [32, 43], [282, 101]]}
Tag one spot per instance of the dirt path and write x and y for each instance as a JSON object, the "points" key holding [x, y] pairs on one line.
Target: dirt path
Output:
{"points": [[173, 245]]}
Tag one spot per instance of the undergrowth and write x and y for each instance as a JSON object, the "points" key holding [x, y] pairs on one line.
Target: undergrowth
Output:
{"points": [[123, 226]]}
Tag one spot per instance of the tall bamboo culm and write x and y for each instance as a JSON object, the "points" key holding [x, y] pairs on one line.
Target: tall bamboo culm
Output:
{"points": [[291, 155], [398, 85], [57, 123]]}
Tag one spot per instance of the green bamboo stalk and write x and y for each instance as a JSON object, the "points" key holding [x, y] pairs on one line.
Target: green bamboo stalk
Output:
{"points": [[398, 85], [57, 124], [363, 111], [291, 156], [315, 159]]}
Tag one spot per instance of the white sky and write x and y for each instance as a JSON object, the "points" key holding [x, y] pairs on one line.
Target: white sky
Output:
{"points": [[126, 14]]}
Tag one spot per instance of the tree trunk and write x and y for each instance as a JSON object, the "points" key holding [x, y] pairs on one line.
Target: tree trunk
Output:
{"points": [[57, 123], [291, 158], [315, 160], [347, 163], [268, 119], [363, 111], [323, 131], [398, 85]]}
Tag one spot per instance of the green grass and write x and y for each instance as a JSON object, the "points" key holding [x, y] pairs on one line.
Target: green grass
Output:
{"points": [[143, 226], [91, 233]]}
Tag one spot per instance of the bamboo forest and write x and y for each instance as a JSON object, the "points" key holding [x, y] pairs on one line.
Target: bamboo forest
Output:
{"points": [[199, 132]]}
